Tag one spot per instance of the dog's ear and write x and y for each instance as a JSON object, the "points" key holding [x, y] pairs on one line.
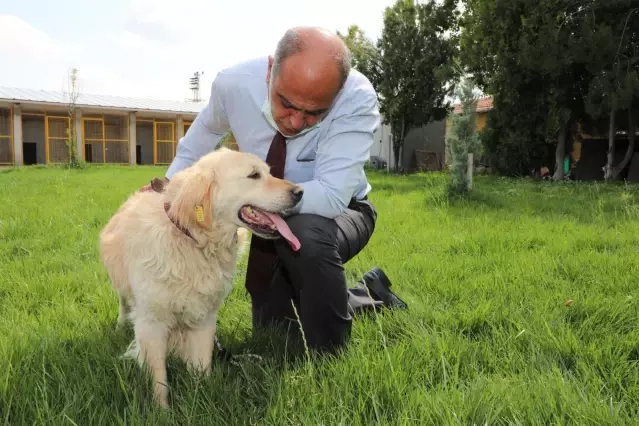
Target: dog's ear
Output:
{"points": [[158, 184], [191, 205]]}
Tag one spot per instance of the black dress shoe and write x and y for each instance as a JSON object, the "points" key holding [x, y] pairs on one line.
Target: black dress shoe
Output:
{"points": [[379, 285]]}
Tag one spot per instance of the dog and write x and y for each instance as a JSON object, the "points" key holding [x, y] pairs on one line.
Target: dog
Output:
{"points": [[171, 255]]}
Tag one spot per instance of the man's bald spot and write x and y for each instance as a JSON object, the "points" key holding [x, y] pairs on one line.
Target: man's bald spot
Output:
{"points": [[322, 46]]}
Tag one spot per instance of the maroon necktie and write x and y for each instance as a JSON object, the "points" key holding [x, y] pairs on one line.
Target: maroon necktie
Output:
{"points": [[262, 252]]}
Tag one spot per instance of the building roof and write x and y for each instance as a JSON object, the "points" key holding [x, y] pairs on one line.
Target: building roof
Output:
{"points": [[13, 94], [484, 104]]}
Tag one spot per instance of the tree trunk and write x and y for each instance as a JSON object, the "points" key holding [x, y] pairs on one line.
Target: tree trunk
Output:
{"points": [[469, 178], [611, 146], [396, 157], [396, 147], [631, 146], [560, 152], [403, 135], [398, 143]]}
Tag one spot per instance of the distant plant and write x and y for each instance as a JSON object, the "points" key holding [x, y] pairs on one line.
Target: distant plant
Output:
{"points": [[463, 143], [71, 141]]}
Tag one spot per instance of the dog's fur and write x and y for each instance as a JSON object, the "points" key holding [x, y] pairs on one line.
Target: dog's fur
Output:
{"points": [[170, 287]]}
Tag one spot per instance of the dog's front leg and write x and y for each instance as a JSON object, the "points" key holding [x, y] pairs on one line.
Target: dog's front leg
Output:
{"points": [[123, 311], [152, 343], [199, 347]]}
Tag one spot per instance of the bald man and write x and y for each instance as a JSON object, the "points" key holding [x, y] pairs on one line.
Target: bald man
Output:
{"points": [[327, 114]]}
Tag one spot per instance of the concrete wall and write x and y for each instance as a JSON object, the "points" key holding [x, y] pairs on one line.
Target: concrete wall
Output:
{"points": [[132, 138], [426, 138], [382, 144], [17, 135]]}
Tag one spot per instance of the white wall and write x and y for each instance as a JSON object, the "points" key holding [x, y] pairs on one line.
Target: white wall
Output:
{"points": [[382, 144]]}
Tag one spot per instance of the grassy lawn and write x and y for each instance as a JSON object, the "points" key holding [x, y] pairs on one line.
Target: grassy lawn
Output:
{"points": [[487, 338]]}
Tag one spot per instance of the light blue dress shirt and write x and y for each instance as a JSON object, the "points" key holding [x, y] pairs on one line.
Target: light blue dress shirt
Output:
{"points": [[328, 161]]}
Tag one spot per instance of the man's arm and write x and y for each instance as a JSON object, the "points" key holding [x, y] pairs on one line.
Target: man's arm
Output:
{"points": [[204, 135], [340, 160]]}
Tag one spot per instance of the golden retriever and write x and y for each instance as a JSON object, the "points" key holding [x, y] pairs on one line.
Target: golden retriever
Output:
{"points": [[171, 255]]}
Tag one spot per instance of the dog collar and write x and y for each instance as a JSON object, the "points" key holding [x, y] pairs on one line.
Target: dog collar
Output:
{"points": [[157, 185], [167, 206]]}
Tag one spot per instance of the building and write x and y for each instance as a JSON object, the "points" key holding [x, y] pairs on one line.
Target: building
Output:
{"points": [[586, 149], [423, 147], [484, 105], [382, 146], [34, 128], [122, 130]]}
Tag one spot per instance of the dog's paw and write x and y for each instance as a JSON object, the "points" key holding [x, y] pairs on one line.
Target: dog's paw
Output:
{"points": [[131, 353]]}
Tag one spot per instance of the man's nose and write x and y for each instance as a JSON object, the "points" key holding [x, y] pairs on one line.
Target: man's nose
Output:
{"points": [[297, 120]]}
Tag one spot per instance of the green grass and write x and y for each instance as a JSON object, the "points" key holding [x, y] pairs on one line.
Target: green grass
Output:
{"points": [[487, 338]]}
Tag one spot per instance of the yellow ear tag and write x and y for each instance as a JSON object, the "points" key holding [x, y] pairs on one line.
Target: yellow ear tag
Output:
{"points": [[199, 213]]}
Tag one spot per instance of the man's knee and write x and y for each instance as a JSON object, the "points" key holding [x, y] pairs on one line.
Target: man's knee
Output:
{"points": [[355, 228], [316, 271], [317, 236]]}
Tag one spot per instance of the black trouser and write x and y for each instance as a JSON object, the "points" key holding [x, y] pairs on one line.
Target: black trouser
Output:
{"points": [[314, 277]]}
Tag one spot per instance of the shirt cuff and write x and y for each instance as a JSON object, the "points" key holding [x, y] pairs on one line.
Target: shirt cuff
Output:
{"points": [[317, 200]]}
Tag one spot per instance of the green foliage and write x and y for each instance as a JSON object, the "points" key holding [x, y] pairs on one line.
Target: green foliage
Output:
{"points": [[74, 160], [462, 140], [411, 64], [530, 57], [416, 70], [549, 65], [515, 140], [614, 56], [364, 53]]}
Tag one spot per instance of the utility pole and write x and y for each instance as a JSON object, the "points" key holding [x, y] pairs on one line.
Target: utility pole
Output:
{"points": [[194, 83]]}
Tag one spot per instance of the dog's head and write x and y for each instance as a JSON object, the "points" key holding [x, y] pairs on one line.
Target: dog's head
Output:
{"points": [[226, 187]]}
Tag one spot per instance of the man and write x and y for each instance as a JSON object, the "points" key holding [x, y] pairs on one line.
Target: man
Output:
{"points": [[306, 105]]}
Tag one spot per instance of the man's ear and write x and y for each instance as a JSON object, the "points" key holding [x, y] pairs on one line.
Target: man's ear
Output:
{"points": [[268, 71], [191, 206]]}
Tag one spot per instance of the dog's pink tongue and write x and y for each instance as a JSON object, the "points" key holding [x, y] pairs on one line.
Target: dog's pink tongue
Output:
{"points": [[284, 230]]}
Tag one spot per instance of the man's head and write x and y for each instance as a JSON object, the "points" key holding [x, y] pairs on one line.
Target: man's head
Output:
{"points": [[309, 68]]}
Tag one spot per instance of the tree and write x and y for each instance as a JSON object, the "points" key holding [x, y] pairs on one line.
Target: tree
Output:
{"points": [[529, 55], [415, 68], [71, 140], [463, 142], [561, 62], [364, 53], [614, 51]]}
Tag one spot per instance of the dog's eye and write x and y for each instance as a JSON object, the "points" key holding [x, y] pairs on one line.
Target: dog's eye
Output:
{"points": [[254, 175]]}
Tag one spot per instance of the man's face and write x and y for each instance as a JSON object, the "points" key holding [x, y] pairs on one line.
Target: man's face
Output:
{"points": [[301, 93]]}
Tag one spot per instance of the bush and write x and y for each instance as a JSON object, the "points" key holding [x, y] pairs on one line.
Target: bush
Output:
{"points": [[463, 140]]}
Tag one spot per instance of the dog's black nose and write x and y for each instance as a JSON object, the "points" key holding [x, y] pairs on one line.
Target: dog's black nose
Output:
{"points": [[297, 193]]}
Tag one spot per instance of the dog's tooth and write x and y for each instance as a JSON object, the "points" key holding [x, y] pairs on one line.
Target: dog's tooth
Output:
{"points": [[249, 209]]}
